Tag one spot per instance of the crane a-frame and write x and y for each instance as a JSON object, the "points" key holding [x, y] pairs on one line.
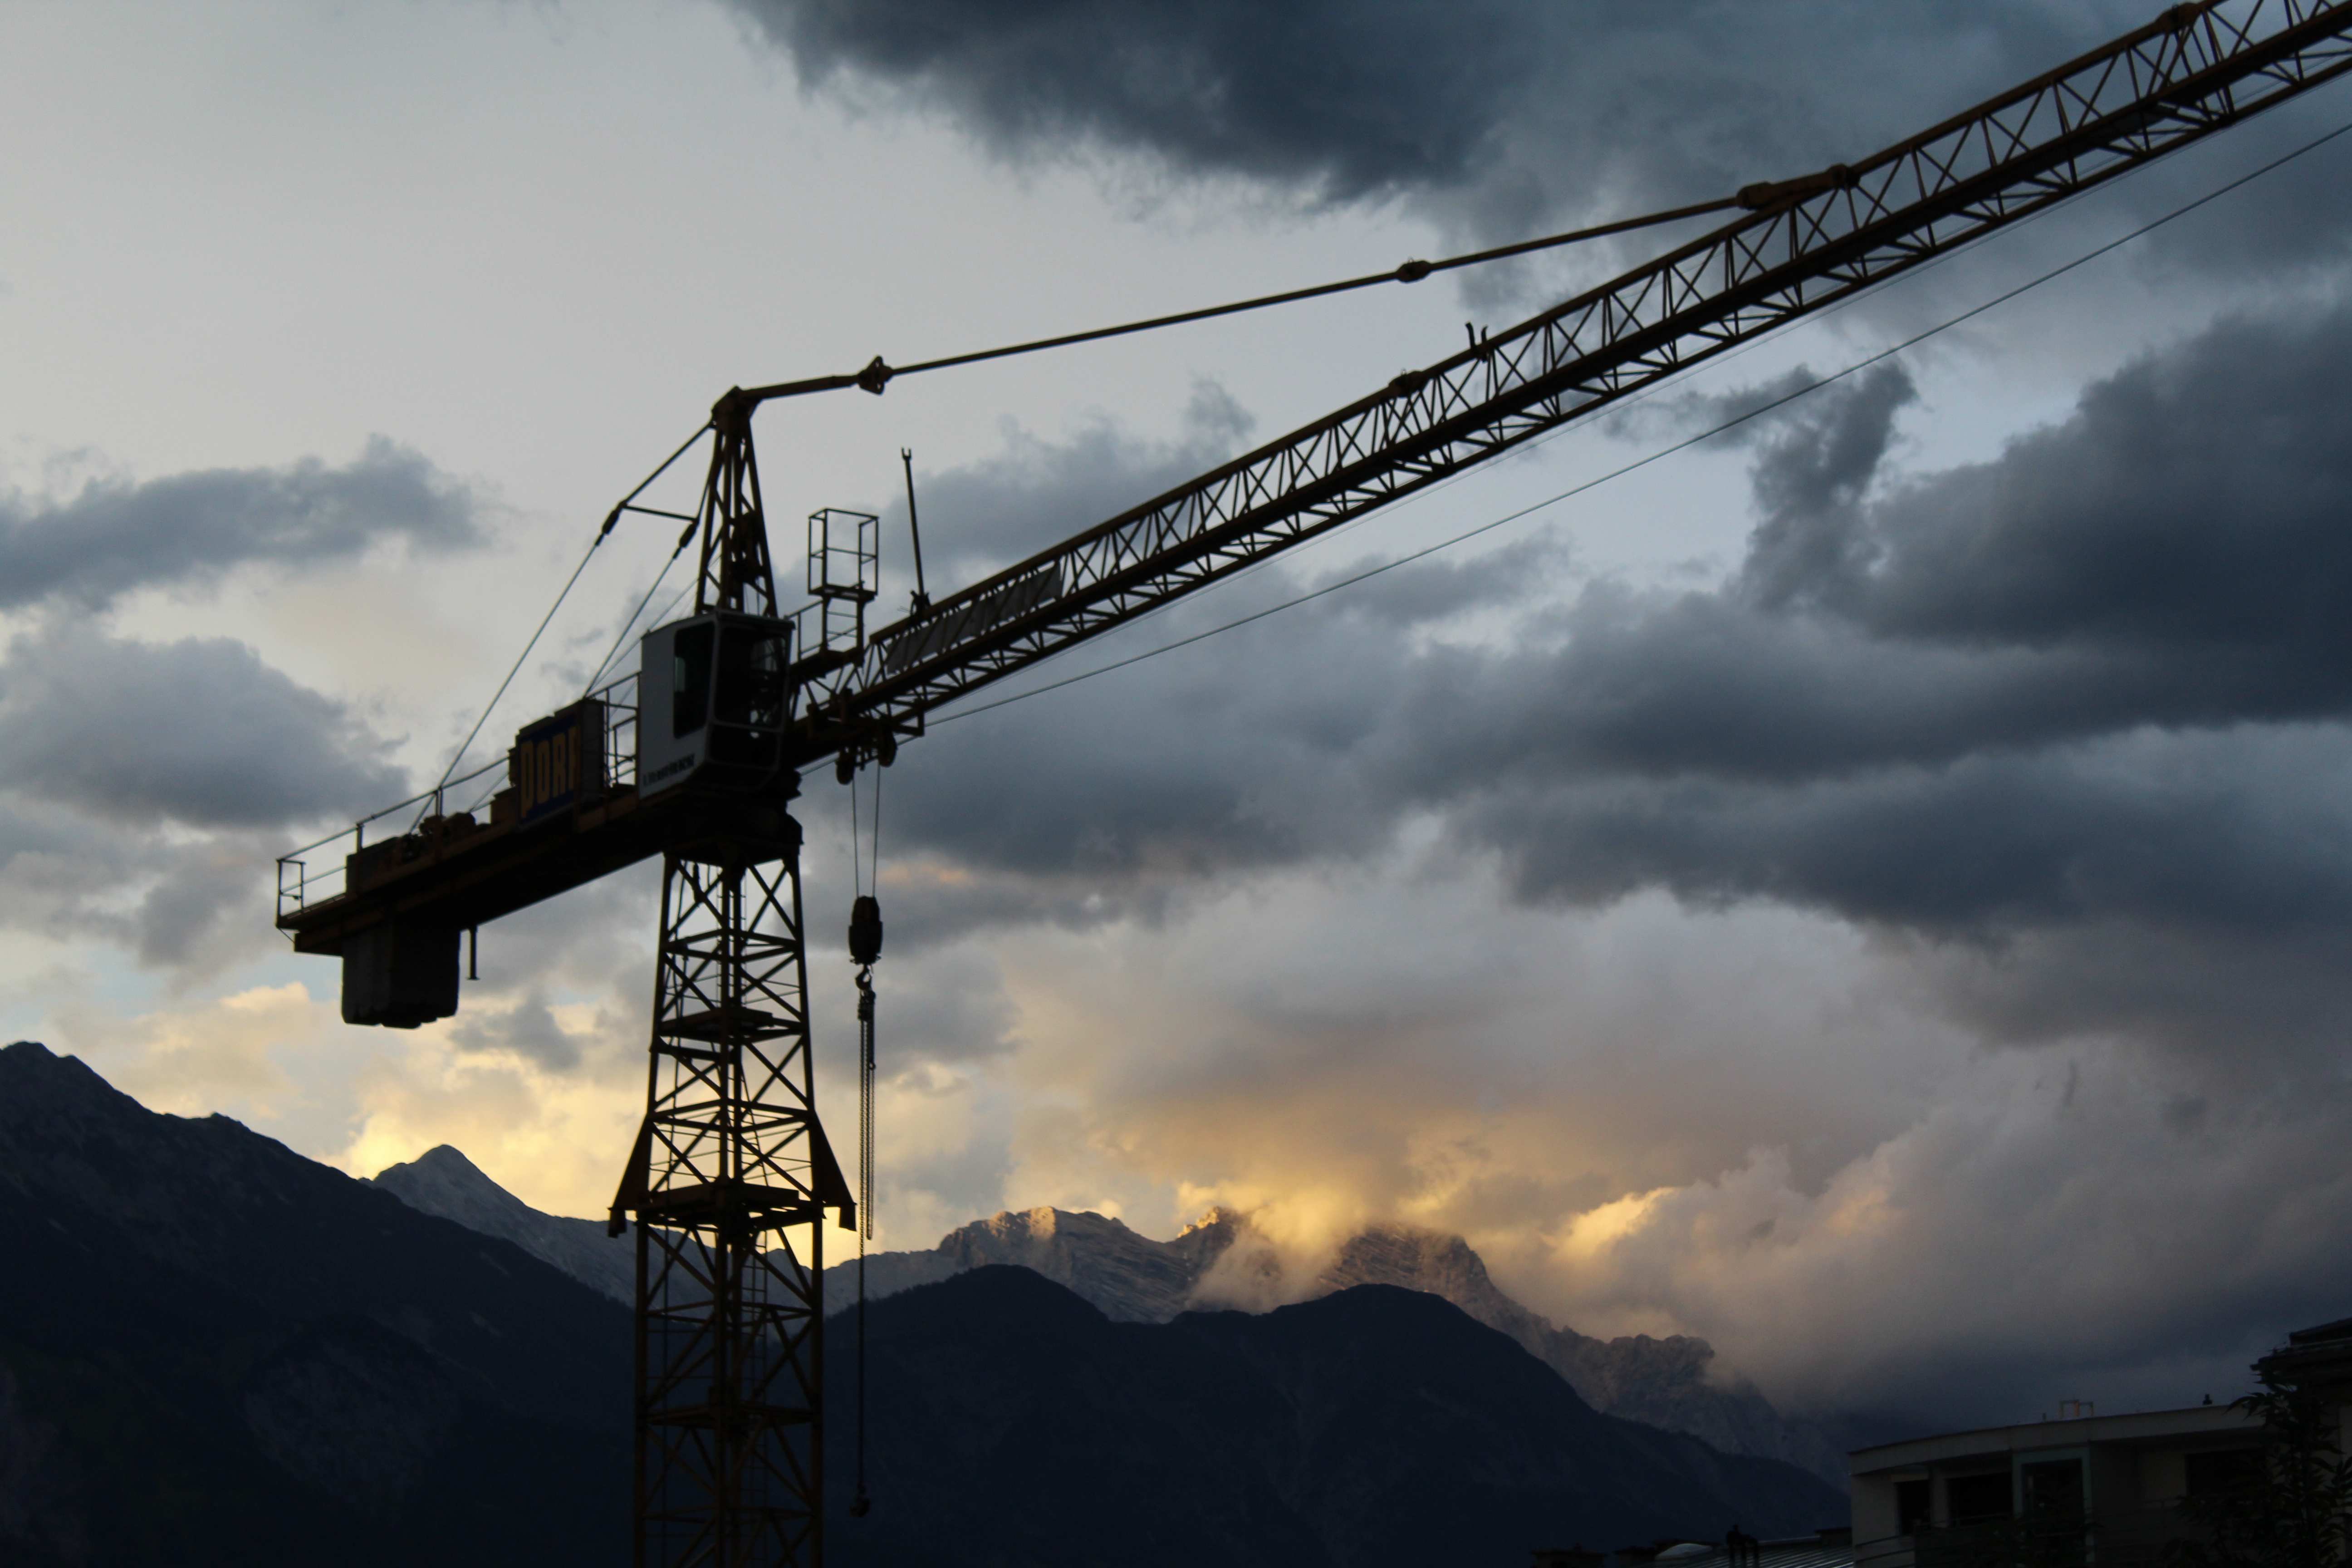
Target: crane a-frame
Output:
{"points": [[697, 756]]}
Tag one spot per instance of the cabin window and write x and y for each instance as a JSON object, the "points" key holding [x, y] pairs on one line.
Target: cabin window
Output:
{"points": [[750, 685]]}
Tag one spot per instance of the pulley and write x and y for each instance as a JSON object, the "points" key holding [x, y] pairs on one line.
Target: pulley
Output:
{"points": [[865, 931]]}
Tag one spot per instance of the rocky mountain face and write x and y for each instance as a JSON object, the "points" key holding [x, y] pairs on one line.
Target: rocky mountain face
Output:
{"points": [[214, 1350], [442, 1182], [1375, 1428], [1220, 1260], [1668, 1383]]}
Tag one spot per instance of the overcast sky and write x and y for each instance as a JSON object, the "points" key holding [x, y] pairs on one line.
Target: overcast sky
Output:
{"points": [[1871, 890]]}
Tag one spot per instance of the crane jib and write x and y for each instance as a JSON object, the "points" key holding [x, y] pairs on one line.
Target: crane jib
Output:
{"points": [[1817, 241]]}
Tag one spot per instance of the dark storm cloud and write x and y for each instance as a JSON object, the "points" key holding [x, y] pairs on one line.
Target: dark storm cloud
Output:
{"points": [[114, 536], [1502, 118], [2061, 685], [2079, 707], [2218, 833], [2172, 554], [1501, 107], [199, 731], [1348, 100]]}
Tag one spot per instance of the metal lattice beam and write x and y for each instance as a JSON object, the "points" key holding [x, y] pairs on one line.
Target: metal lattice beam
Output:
{"points": [[1810, 242], [729, 1188]]}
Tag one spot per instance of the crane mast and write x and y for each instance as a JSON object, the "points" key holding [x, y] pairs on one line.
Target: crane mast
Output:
{"points": [[732, 1163], [697, 757]]}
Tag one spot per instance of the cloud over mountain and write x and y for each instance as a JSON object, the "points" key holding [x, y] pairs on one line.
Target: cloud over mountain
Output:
{"points": [[2048, 749]]}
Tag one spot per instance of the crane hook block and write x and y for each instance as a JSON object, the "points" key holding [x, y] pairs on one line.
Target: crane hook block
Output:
{"points": [[865, 931]]}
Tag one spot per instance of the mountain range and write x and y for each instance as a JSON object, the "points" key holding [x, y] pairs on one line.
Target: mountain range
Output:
{"points": [[1374, 1428], [214, 1351], [1671, 1382]]}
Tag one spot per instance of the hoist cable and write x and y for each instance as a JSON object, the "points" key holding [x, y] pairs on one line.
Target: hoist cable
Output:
{"points": [[857, 865], [604, 532], [874, 841], [861, 1502], [474, 733], [1683, 446]]}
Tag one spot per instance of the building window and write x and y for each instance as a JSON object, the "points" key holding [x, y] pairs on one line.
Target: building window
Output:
{"points": [[2217, 1471], [1970, 1500], [1912, 1502], [2052, 1488]]}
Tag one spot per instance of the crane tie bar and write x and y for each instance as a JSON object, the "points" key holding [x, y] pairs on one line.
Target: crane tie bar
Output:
{"points": [[876, 375]]}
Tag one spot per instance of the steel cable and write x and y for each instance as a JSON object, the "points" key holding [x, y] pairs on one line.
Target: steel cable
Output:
{"points": [[1409, 272]]}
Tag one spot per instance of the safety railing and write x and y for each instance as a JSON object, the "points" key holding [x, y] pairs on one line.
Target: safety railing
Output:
{"points": [[449, 812]]}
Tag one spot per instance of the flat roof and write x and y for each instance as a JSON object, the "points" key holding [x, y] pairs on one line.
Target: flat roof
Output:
{"points": [[2026, 1436]]}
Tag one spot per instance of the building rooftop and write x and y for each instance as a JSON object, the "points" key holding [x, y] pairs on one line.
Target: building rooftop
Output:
{"points": [[2138, 1427]]}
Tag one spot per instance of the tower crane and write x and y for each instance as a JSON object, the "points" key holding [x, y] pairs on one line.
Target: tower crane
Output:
{"points": [[696, 755]]}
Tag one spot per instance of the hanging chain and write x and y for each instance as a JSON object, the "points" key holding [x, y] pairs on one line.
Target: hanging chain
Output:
{"points": [[865, 947]]}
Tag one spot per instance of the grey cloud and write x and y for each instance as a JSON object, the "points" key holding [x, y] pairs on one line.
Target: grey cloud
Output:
{"points": [[56, 868], [527, 1028], [987, 515], [1673, 414], [1185, 768], [148, 786], [1810, 480], [200, 731], [185, 904], [1439, 589], [2263, 997], [2075, 1232], [2172, 554], [2234, 831], [208, 907], [114, 536]]}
